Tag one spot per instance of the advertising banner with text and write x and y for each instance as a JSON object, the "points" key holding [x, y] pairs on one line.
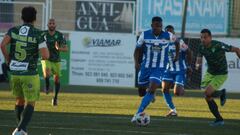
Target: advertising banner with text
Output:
{"points": [[105, 16], [102, 59], [211, 14]]}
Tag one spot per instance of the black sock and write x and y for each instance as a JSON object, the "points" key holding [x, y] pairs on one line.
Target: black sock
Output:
{"points": [[26, 117], [217, 93], [18, 111], [57, 88], [47, 83], [214, 109]]}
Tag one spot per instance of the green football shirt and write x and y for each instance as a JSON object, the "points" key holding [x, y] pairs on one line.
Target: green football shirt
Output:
{"points": [[51, 40], [24, 49], [215, 57]]}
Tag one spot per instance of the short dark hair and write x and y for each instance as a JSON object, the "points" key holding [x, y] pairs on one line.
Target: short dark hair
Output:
{"points": [[206, 31], [156, 19], [169, 27], [29, 14]]}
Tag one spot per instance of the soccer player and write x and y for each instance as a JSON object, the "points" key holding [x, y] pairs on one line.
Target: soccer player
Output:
{"points": [[25, 43], [152, 45], [217, 72], [55, 43], [175, 72]]}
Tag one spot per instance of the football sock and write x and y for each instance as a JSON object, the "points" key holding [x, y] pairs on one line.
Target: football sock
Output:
{"points": [[18, 111], [214, 109], [168, 99], [47, 83], [26, 117], [145, 101], [57, 88]]}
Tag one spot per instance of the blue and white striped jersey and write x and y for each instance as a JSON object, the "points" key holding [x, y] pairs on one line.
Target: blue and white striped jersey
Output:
{"points": [[179, 65], [155, 48]]}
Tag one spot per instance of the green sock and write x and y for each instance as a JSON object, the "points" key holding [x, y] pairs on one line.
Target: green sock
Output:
{"points": [[18, 111], [214, 109], [26, 117]]}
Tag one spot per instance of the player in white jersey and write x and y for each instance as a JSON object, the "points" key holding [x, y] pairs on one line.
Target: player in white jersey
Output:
{"points": [[175, 72], [152, 45]]}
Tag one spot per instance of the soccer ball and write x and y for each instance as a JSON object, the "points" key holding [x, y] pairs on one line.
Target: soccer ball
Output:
{"points": [[142, 119]]}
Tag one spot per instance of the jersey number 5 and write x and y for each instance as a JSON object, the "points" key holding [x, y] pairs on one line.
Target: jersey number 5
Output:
{"points": [[20, 53]]}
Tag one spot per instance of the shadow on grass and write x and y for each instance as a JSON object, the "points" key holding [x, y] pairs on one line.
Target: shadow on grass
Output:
{"points": [[47, 123], [120, 91]]}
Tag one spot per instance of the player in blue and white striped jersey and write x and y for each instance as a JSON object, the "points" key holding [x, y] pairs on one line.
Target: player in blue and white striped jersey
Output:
{"points": [[175, 71], [152, 45]]}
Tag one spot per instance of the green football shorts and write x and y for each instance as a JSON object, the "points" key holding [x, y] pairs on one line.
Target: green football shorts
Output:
{"points": [[216, 81], [26, 86], [55, 67]]}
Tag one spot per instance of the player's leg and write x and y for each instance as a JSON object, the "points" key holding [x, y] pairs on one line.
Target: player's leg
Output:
{"points": [[179, 84], [57, 74], [46, 68], [141, 91], [31, 92], [166, 85], [17, 91], [168, 98], [214, 83], [143, 81], [155, 82]]}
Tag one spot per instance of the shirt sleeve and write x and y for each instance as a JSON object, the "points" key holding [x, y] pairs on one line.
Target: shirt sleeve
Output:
{"points": [[41, 37], [9, 32], [225, 47], [140, 41], [42, 45]]}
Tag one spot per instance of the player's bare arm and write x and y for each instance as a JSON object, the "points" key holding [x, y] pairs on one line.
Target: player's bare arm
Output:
{"points": [[198, 63], [6, 40], [62, 49], [137, 57], [236, 50]]}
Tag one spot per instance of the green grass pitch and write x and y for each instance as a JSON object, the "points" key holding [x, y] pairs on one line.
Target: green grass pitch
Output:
{"points": [[108, 111]]}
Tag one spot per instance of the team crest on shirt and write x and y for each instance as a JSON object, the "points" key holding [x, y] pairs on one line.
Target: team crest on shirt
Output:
{"points": [[24, 30], [156, 47]]}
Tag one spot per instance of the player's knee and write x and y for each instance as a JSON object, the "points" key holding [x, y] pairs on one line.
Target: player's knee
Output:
{"points": [[208, 94], [208, 98], [141, 91], [165, 90], [179, 91], [20, 101], [56, 79]]}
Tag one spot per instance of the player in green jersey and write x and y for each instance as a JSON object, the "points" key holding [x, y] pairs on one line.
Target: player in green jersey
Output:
{"points": [[25, 43], [217, 72], [55, 43]]}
